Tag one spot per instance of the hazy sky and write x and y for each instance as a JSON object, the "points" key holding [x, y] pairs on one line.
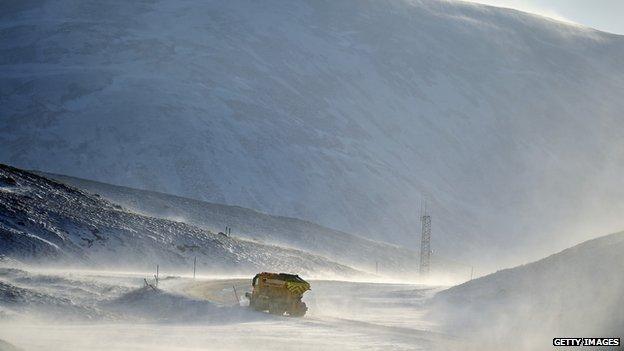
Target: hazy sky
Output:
{"points": [[606, 15]]}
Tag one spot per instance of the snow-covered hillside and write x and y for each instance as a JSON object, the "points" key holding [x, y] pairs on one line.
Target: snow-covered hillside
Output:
{"points": [[339, 112], [579, 291], [43, 221], [364, 254]]}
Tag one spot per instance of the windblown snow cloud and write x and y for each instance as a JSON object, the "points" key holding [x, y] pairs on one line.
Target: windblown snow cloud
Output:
{"points": [[603, 15]]}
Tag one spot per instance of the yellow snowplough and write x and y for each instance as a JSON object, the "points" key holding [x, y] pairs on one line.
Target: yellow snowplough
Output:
{"points": [[278, 293]]}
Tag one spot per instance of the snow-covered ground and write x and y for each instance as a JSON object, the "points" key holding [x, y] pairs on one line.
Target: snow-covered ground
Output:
{"points": [[576, 292], [108, 311]]}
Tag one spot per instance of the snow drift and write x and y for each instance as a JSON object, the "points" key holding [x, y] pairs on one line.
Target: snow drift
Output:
{"points": [[340, 112], [160, 306]]}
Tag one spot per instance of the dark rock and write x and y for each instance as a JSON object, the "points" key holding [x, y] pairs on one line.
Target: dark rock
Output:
{"points": [[7, 181]]}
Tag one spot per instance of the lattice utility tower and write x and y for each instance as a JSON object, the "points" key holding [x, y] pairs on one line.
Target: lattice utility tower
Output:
{"points": [[425, 243]]}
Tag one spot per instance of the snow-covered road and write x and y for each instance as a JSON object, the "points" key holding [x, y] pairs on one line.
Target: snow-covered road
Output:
{"points": [[202, 315]]}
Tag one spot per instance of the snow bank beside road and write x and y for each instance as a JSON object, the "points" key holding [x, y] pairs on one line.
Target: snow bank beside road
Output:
{"points": [[5, 346], [576, 292], [157, 305]]}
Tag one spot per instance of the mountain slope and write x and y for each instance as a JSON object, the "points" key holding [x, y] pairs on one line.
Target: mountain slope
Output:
{"points": [[579, 291], [343, 113], [47, 222], [338, 246]]}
